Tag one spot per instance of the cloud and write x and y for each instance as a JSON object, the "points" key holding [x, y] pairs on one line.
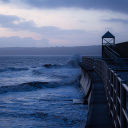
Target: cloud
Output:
{"points": [[113, 5], [82, 21], [7, 19], [52, 33], [116, 20], [5, 1], [15, 41], [9, 22]]}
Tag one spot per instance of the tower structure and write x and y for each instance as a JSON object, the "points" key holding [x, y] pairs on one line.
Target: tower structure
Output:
{"points": [[108, 40], [109, 36]]}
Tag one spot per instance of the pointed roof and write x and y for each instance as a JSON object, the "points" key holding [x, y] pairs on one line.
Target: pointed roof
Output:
{"points": [[108, 35]]}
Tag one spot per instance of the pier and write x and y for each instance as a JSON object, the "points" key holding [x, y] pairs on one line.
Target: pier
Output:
{"points": [[104, 81]]}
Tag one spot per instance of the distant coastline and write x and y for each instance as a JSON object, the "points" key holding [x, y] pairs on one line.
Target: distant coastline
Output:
{"points": [[94, 50]]}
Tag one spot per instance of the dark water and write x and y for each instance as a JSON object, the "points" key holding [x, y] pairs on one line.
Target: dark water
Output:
{"points": [[38, 91]]}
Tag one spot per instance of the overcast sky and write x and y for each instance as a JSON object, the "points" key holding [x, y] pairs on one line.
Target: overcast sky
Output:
{"points": [[44, 23]]}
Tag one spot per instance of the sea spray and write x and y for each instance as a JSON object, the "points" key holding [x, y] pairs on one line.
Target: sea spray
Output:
{"points": [[74, 60]]}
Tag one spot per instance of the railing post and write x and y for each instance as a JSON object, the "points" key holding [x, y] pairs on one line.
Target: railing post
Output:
{"points": [[93, 63], [123, 105], [107, 85], [117, 102], [106, 76], [114, 98], [109, 91]]}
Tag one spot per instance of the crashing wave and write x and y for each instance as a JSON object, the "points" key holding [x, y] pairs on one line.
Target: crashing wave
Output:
{"points": [[75, 60], [30, 86]]}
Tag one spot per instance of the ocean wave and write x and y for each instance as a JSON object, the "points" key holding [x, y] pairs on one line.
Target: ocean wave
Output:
{"points": [[23, 87], [13, 69], [65, 75], [74, 62], [30, 86], [51, 66], [37, 72]]}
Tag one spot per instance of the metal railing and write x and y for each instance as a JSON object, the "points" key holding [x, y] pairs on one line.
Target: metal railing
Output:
{"points": [[88, 61], [115, 89], [110, 52], [119, 64]]}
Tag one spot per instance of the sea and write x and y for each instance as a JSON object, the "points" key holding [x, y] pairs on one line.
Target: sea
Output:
{"points": [[39, 92]]}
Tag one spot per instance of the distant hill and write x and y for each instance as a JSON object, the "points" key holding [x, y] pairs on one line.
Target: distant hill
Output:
{"points": [[94, 50]]}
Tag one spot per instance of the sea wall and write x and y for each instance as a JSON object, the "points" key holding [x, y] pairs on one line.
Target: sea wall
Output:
{"points": [[86, 83], [122, 49]]}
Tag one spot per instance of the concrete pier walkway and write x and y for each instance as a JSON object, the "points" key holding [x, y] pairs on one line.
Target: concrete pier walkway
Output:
{"points": [[98, 116]]}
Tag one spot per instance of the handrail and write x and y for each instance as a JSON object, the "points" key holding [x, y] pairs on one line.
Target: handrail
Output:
{"points": [[88, 61], [114, 55], [112, 50], [115, 89], [111, 53]]}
